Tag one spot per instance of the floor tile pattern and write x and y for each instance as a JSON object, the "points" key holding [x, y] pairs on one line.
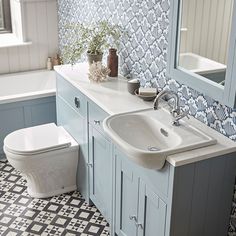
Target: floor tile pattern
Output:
{"points": [[63, 215]]}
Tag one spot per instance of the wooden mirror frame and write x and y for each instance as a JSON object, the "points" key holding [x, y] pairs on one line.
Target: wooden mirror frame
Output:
{"points": [[224, 94]]}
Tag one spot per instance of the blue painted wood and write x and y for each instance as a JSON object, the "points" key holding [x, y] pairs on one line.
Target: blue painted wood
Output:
{"points": [[202, 197], [24, 114], [226, 94], [126, 197], [76, 125], [151, 212], [230, 86], [96, 116], [71, 95], [135, 197], [100, 172], [40, 113], [198, 200]]}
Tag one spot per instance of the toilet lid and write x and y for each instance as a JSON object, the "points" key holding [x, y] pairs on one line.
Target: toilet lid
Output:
{"points": [[37, 139]]}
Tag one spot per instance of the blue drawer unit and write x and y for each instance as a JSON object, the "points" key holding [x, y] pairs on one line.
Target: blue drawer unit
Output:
{"points": [[72, 96]]}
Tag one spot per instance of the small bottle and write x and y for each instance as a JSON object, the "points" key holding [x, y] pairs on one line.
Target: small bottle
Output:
{"points": [[56, 60], [112, 62], [49, 63]]}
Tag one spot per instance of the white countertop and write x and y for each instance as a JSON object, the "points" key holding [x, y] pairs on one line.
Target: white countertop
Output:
{"points": [[112, 96]]}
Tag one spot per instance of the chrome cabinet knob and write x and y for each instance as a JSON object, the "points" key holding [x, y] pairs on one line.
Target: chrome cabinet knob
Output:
{"points": [[77, 102], [133, 217], [97, 122], [89, 164], [139, 225]]}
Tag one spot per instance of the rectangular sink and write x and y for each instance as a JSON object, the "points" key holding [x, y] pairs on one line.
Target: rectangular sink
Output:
{"points": [[148, 136]]}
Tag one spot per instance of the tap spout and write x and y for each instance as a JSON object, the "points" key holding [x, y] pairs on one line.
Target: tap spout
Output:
{"points": [[164, 93]]}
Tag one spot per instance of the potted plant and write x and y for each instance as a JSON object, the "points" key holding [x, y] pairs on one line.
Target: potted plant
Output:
{"points": [[92, 39]]}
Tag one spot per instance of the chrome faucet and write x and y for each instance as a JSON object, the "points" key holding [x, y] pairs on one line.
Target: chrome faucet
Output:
{"points": [[176, 112], [170, 93], [178, 117]]}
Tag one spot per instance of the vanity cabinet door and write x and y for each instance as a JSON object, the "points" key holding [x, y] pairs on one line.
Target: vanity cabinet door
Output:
{"points": [[126, 198], [100, 172], [76, 125], [139, 209], [152, 213]]}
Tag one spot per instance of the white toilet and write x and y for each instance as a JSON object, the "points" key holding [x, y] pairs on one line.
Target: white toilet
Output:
{"points": [[47, 156]]}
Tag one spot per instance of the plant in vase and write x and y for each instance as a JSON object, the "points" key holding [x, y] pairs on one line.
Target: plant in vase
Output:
{"points": [[93, 39]]}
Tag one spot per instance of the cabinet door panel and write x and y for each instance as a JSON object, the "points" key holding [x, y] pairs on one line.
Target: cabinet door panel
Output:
{"points": [[41, 113], [70, 120], [152, 213], [10, 120], [100, 159], [76, 125], [126, 199], [96, 116], [71, 95]]}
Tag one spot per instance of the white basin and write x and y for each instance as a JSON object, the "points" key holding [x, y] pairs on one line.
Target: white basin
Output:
{"points": [[148, 136]]}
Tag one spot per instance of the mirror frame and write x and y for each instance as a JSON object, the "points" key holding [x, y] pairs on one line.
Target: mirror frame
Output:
{"points": [[224, 94]]}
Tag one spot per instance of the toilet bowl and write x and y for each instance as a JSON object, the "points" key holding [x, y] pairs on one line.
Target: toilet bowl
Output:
{"points": [[47, 156]]}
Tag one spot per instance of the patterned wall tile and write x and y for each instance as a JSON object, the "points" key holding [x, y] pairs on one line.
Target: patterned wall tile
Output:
{"points": [[143, 53]]}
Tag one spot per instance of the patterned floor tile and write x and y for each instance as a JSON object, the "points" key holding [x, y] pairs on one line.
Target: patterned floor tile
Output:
{"points": [[5, 186], [52, 230], [63, 215], [68, 211], [14, 210], [20, 224], [45, 217], [30, 213]]}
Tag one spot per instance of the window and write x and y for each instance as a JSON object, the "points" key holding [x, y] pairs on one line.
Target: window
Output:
{"points": [[5, 16]]}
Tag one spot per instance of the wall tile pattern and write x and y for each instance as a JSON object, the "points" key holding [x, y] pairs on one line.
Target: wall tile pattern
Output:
{"points": [[143, 54]]}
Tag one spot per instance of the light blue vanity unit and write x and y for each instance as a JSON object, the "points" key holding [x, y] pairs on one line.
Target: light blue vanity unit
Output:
{"points": [[191, 199], [22, 114]]}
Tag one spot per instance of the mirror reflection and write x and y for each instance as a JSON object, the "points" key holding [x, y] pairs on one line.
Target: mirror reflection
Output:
{"points": [[204, 34]]}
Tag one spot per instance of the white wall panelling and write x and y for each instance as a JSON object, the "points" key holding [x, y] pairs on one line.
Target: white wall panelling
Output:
{"points": [[208, 25], [40, 27]]}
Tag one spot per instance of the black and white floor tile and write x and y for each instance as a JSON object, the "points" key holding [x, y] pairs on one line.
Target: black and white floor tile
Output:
{"points": [[63, 215]]}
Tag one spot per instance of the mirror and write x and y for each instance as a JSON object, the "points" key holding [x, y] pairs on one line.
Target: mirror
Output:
{"points": [[204, 32], [202, 47]]}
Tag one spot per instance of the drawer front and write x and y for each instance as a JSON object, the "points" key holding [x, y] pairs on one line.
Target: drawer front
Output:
{"points": [[71, 95], [74, 123], [96, 116]]}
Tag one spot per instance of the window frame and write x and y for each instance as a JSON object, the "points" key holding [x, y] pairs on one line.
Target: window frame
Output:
{"points": [[7, 28]]}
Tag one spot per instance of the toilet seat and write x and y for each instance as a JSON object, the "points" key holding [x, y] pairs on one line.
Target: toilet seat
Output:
{"points": [[37, 140]]}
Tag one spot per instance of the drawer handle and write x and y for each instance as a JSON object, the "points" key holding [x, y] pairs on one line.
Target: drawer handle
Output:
{"points": [[97, 122], [90, 165], [133, 218], [139, 225], [77, 102]]}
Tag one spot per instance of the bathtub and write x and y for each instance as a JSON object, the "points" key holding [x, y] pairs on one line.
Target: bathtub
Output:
{"points": [[27, 85], [200, 65], [26, 99]]}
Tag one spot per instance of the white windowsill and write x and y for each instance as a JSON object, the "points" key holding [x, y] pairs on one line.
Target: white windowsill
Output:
{"points": [[10, 40]]}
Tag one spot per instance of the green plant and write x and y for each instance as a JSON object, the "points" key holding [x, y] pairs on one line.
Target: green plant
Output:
{"points": [[91, 38]]}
